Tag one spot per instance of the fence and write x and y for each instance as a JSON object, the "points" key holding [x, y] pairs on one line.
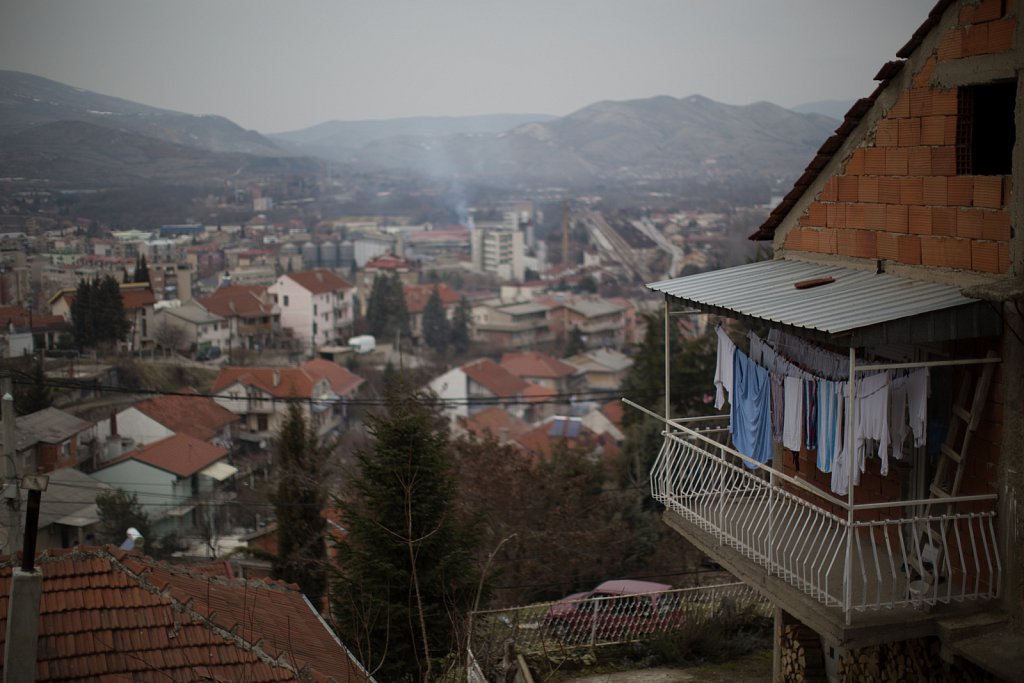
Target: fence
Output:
{"points": [[592, 620], [869, 557]]}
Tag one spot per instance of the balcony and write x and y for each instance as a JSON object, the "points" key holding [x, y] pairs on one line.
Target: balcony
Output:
{"points": [[847, 570]]}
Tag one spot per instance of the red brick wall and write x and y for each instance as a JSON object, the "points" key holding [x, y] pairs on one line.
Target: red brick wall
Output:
{"points": [[897, 197]]}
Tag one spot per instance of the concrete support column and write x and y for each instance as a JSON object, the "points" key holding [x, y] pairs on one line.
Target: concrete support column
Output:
{"points": [[22, 626]]}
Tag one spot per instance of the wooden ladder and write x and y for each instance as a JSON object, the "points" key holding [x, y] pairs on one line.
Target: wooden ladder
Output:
{"points": [[927, 550]]}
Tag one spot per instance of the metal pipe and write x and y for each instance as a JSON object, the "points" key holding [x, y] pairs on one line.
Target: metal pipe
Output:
{"points": [[668, 356], [927, 364], [848, 568]]}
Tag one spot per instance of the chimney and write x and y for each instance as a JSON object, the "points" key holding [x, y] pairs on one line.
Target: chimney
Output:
{"points": [[277, 377], [113, 425], [20, 650]]}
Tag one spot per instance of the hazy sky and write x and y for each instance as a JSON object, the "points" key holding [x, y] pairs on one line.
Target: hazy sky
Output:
{"points": [[277, 66]]}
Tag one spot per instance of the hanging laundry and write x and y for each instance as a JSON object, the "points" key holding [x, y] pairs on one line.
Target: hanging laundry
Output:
{"points": [[750, 400], [723, 368], [792, 419], [871, 412], [810, 406]]}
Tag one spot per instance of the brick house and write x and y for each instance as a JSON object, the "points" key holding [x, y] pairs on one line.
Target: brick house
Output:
{"points": [[51, 439], [895, 253]]}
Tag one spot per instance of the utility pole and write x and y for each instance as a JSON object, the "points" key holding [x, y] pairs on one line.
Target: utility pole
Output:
{"points": [[565, 233], [12, 494]]}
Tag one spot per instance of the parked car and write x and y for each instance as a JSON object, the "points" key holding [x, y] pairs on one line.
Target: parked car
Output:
{"points": [[621, 609]]}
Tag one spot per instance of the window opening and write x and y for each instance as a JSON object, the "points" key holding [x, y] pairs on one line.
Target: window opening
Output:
{"points": [[985, 131]]}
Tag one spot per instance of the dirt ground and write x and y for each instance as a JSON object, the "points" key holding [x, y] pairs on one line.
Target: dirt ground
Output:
{"points": [[753, 668]]}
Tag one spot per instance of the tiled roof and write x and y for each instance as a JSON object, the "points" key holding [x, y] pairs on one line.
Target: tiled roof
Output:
{"points": [[49, 425], [497, 421], [496, 379], [243, 301], [614, 411], [137, 295], [319, 281], [179, 454], [417, 296], [342, 382], [387, 262], [852, 119], [278, 382], [108, 615], [20, 317], [197, 416], [536, 364], [541, 441]]}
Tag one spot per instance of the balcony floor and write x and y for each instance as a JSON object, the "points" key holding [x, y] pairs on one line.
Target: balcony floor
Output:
{"points": [[866, 627]]}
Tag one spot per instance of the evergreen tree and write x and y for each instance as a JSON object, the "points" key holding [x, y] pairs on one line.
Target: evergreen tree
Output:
{"points": [[141, 270], [692, 372], [405, 576], [298, 501], [118, 510], [110, 319], [575, 343], [386, 312], [83, 315], [436, 329], [460, 326], [34, 396]]}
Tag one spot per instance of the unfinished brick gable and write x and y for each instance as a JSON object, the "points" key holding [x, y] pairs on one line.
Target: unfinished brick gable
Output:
{"points": [[898, 196]]}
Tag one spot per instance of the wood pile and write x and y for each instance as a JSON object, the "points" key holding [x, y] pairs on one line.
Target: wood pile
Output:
{"points": [[908, 661], [802, 658]]}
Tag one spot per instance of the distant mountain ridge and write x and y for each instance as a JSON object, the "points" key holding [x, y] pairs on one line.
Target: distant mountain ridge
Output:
{"points": [[28, 101], [106, 140], [656, 138]]}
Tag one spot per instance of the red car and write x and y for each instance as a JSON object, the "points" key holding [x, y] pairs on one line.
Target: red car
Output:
{"points": [[622, 609]]}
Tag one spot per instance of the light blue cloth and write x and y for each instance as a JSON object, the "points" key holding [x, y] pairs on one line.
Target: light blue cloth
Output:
{"points": [[751, 416]]}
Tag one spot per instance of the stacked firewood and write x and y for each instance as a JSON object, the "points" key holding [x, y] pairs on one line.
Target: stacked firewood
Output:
{"points": [[908, 661], [802, 658]]}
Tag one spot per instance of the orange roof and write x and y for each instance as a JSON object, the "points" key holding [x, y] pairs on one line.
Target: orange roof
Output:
{"points": [[387, 262], [540, 442], [238, 301], [496, 421], [343, 382], [417, 296], [278, 382], [536, 393], [496, 379], [106, 614], [319, 281], [536, 364], [614, 411], [196, 416], [180, 454], [137, 295]]}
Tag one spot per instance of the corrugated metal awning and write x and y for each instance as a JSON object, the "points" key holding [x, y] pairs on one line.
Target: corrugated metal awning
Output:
{"points": [[219, 471], [857, 308]]}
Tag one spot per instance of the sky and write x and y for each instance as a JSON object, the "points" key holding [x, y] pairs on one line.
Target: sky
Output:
{"points": [[281, 66]]}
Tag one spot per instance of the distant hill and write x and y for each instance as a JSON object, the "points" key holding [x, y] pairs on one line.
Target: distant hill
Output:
{"points": [[835, 108], [28, 101], [350, 135], [637, 140], [84, 155]]}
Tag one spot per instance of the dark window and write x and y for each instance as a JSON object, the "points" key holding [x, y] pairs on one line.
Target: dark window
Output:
{"points": [[985, 130]]}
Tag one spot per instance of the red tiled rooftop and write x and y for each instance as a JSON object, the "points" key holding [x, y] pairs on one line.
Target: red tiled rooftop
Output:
{"points": [[110, 615], [278, 382], [342, 382], [320, 281], [536, 364], [496, 379], [180, 454], [497, 421], [197, 416], [417, 296], [238, 301]]}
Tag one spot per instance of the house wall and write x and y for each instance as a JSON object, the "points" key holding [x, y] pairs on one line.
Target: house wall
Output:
{"points": [[897, 196], [136, 425], [155, 488], [452, 385], [892, 193]]}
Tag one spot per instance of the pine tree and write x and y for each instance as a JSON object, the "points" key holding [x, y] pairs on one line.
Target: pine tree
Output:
{"points": [[110, 320], [35, 396], [141, 270], [460, 326], [436, 329], [298, 502], [405, 576], [83, 315]]}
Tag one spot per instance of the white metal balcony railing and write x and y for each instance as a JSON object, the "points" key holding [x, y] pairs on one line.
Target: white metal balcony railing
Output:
{"points": [[592, 621], [867, 556]]}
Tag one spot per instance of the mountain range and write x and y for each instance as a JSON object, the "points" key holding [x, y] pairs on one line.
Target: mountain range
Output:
{"points": [[74, 137]]}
